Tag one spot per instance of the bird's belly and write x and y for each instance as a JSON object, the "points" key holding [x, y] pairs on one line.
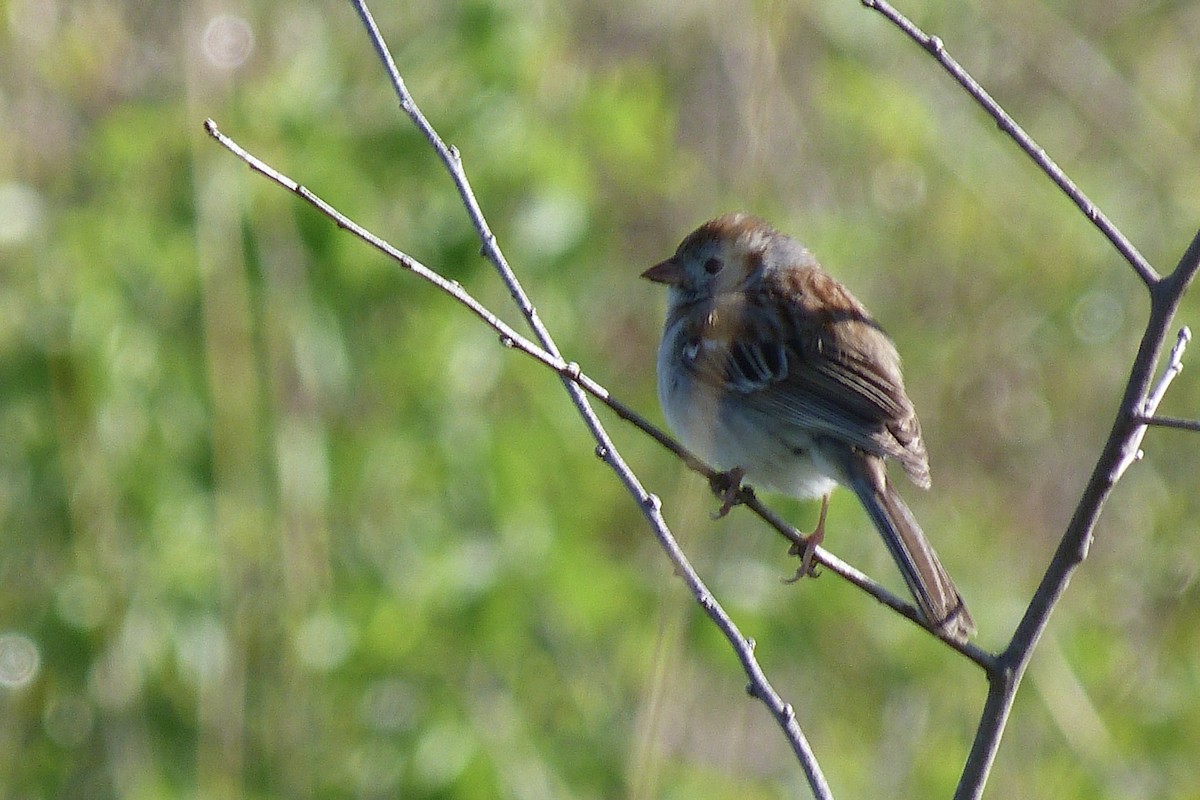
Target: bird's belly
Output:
{"points": [[727, 434]]}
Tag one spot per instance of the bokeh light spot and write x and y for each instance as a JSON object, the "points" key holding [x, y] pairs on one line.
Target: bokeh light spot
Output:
{"points": [[18, 660], [228, 41], [1097, 317]]}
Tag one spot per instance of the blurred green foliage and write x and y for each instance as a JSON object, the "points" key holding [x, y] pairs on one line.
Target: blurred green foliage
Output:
{"points": [[277, 520]]}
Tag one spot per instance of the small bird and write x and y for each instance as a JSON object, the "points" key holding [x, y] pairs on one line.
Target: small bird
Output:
{"points": [[769, 368]]}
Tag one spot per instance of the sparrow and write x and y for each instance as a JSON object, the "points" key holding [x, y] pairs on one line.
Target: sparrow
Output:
{"points": [[770, 369]]}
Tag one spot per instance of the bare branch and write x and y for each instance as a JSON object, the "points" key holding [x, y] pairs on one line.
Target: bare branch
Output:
{"points": [[1119, 451], [1171, 422], [1123, 446], [1150, 404], [1173, 368], [934, 46], [452, 160]]}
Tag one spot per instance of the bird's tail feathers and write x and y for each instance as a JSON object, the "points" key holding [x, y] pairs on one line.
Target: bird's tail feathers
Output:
{"points": [[930, 584]]}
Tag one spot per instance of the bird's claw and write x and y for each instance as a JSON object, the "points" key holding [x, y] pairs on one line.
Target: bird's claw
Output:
{"points": [[808, 565], [807, 549], [728, 487]]}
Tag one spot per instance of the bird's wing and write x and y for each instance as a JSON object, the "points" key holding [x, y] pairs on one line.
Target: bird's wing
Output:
{"points": [[814, 359]]}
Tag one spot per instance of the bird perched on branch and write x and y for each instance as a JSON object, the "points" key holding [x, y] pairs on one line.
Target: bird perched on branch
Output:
{"points": [[769, 368]]}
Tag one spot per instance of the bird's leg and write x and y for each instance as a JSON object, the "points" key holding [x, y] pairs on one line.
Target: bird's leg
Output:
{"points": [[808, 550], [727, 486]]}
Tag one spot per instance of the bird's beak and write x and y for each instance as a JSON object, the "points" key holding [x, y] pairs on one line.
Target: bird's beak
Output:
{"points": [[669, 272]]}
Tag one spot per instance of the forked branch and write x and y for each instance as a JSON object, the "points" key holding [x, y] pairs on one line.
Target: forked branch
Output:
{"points": [[1122, 449]]}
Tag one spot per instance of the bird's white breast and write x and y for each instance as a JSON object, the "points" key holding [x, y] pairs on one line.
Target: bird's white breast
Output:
{"points": [[720, 427]]}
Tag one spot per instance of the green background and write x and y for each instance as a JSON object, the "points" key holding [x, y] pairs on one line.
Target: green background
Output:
{"points": [[279, 520]]}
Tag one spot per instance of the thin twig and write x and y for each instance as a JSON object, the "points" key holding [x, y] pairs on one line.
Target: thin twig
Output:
{"points": [[1150, 404], [1170, 422], [452, 160], [935, 47], [1172, 370]]}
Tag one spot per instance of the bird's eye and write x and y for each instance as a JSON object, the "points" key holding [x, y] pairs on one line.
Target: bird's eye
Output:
{"points": [[712, 266]]}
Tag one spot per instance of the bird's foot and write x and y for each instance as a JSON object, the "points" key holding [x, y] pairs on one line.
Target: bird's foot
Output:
{"points": [[808, 549], [728, 487]]}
